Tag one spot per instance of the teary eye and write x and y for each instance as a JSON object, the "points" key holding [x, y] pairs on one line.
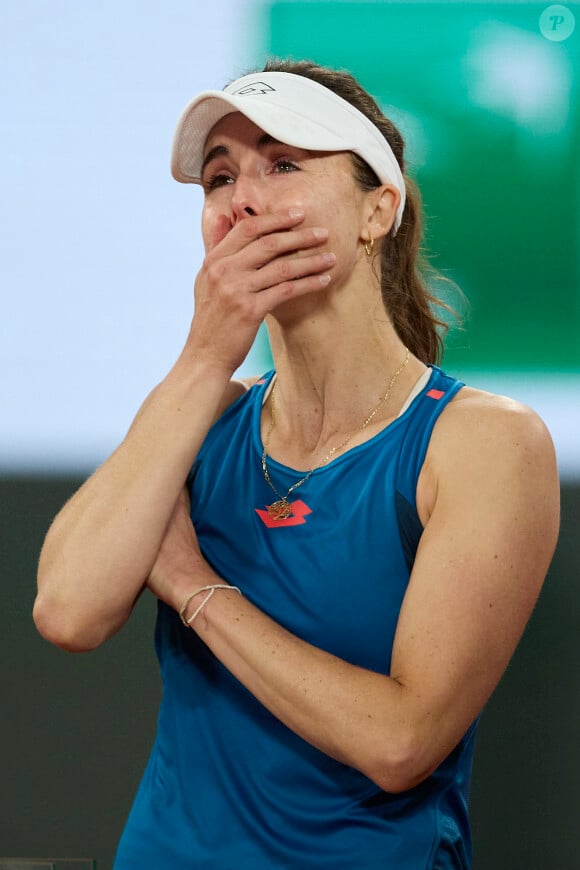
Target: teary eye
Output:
{"points": [[217, 180], [282, 164]]}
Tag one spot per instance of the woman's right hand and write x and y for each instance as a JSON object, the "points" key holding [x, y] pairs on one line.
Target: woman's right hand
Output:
{"points": [[248, 270], [103, 544]]}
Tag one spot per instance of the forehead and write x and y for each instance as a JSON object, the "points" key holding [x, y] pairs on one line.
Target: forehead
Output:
{"points": [[235, 126]]}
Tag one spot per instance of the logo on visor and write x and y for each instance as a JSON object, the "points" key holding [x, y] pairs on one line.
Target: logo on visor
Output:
{"points": [[253, 89]]}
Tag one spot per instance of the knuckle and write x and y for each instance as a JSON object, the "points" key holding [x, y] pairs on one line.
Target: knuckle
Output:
{"points": [[216, 270], [234, 295], [249, 227], [288, 289], [284, 269], [254, 284], [269, 243]]}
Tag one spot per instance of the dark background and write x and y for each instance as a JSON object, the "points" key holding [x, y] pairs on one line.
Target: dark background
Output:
{"points": [[76, 729]]}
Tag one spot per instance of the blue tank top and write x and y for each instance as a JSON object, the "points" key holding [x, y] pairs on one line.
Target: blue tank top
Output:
{"points": [[227, 785]]}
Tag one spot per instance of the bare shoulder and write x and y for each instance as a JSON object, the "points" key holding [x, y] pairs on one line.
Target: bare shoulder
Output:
{"points": [[478, 421], [488, 442]]}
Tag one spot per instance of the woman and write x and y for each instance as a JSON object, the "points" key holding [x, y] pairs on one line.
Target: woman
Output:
{"points": [[366, 539]]}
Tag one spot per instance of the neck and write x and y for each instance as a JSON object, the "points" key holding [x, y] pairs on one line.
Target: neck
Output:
{"points": [[334, 360]]}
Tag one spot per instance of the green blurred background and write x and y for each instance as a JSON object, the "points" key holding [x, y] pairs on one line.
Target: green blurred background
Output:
{"points": [[490, 109]]}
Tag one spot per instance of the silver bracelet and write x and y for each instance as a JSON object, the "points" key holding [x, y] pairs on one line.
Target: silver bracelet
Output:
{"points": [[210, 591]]}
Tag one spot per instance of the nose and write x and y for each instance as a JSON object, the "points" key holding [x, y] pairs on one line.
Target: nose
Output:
{"points": [[245, 200]]}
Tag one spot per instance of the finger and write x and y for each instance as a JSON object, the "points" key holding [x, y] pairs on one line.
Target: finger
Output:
{"points": [[271, 298], [269, 247], [283, 270], [276, 245], [249, 229]]}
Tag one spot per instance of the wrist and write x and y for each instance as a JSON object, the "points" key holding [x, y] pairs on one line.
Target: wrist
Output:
{"points": [[199, 355], [193, 368], [195, 601]]}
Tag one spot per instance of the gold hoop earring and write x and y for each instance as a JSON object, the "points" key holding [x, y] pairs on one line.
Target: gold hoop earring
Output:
{"points": [[368, 246]]}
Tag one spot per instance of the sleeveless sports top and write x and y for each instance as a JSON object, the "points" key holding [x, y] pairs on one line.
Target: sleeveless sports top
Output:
{"points": [[227, 785]]}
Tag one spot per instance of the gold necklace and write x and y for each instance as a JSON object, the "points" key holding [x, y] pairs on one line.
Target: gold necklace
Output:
{"points": [[281, 509]]}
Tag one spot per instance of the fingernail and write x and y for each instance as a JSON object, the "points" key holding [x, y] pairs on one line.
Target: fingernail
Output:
{"points": [[324, 279], [319, 232], [295, 212]]}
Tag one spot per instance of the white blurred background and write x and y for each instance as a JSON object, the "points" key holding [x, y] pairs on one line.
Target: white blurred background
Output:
{"points": [[99, 245]]}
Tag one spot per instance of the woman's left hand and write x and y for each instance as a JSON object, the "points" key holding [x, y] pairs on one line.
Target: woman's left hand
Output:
{"points": [[491, 486], [180, 568]]}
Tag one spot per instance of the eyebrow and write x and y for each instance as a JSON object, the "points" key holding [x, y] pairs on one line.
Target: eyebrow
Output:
{"points": [[218, 151], [223, 151]]}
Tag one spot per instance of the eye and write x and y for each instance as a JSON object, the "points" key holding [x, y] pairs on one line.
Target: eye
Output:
{"points": [[282, 164], [218, 179]]}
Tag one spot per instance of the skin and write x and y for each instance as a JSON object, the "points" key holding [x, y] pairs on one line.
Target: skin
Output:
{"points": [[284, 232]]}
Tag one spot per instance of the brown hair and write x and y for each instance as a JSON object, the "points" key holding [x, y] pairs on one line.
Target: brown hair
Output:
{"points": [[406, 297]]}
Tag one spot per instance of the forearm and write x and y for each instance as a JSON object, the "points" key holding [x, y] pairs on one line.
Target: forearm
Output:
{"points": [[360, 718], [103, 544], [101, 547]]}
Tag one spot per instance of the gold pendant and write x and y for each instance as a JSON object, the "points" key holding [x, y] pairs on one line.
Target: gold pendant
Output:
{"points": [[280, 510]]}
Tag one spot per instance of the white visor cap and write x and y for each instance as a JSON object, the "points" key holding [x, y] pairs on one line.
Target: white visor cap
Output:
{"points": [[294, 110]]}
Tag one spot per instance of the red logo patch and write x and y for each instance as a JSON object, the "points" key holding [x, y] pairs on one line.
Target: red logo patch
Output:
{"points": [[299, 510], [435, 394]]}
